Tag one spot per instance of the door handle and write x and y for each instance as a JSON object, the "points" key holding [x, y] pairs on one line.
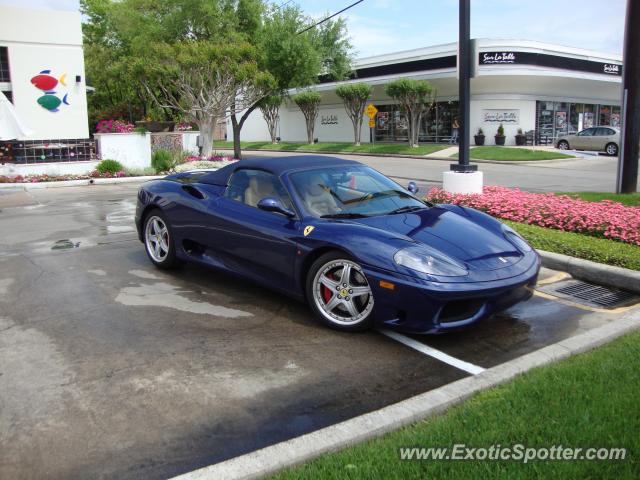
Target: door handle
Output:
{"points": [[193, 191]]}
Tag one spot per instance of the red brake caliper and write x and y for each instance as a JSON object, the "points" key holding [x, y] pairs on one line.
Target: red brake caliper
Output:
{"points": [[326, 294]]}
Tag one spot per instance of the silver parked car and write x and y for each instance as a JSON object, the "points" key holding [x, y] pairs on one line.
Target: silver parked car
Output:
{"points": [[601, 139]]}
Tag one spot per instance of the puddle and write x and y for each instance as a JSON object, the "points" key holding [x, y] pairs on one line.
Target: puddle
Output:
{"points": [[65, 244], [168, 296]]}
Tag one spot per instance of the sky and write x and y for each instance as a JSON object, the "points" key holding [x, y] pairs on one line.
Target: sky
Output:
{"points": [[383, 26]]}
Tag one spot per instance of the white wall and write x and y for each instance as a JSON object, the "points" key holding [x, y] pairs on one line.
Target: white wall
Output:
{"points": [[526, 112], [40, 40], [133, 150]]}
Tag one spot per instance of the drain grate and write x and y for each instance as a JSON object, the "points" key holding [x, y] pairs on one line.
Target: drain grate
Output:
{"points": [[590, 294]]}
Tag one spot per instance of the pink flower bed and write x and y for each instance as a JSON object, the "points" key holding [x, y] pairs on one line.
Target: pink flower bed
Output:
{"points": [[114, 126], [603, 219], [58, 178]]}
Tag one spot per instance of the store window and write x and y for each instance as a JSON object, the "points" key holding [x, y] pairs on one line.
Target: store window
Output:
{"points": [[559, 118], [392, 125], [9, 95], [605, 115], [5, 77]]}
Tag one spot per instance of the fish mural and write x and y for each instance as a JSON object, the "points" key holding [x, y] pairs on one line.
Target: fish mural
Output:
{"points": [[46, 82]]}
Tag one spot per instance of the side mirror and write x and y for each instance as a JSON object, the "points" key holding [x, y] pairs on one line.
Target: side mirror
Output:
{"points": [[412, 187], [270, 204]]}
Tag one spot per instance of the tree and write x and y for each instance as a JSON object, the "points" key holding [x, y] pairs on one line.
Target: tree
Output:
{"points": [[295, 60], [416, 97], [270, 108], [355, 98], [204, 80], [308, 103]]}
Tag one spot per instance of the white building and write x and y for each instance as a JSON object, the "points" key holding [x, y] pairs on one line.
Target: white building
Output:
{"points": [[42, 74], [526, 85]]}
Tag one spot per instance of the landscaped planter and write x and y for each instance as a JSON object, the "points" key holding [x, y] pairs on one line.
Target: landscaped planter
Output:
{"points": [[499, 139], [156, 126], [521, 139], [479, 139]]}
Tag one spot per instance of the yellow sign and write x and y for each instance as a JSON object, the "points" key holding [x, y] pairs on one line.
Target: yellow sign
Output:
{"points": [[372, 123], [308, 230], [371, 111]]}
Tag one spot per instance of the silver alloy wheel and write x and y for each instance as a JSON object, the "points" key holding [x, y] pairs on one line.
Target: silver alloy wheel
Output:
{"points": [[341, 292], [562, 145], [612, 149], [156, 239]]}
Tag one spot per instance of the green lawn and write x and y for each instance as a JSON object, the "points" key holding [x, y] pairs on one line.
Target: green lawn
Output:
{"points": [[589, 400], [513, 154], [599, 250], [338, 147], [630, 199]]}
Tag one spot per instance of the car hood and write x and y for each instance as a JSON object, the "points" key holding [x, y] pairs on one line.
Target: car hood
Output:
{"points": [[456, 235]]}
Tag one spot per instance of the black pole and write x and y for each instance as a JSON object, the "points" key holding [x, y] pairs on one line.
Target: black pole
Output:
{"points": [[464, 87], [630, 135]]}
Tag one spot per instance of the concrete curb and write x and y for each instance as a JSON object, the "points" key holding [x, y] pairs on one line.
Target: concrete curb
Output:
{"points": [[76, 183], [587, 270], [293, 452]]}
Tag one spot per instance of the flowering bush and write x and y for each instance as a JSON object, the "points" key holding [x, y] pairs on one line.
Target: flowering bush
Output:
{"points": [[216, 157], [202, 165], [114, 126], [60, 178], [602, 219], [181, 127]]}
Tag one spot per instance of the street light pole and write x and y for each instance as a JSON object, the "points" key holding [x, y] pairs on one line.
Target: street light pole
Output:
{"points": [[464, 87], [630, 135]]}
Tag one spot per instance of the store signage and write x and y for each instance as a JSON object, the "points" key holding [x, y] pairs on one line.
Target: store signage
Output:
{"points": [[492, 58], [548, 61], [611, 69], [495, 115], [329, 120]]}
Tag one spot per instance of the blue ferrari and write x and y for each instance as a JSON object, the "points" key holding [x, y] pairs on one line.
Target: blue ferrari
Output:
{"points": [[359, 248]]}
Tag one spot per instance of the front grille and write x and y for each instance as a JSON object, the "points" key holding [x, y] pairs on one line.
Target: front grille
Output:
{"points": [[589, 294], [459, 310]]}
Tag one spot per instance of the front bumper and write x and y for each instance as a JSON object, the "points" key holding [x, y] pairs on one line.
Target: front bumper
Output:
{"points": [[428, 307]]}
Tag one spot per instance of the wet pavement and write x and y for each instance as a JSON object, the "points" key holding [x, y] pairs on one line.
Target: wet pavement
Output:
{"points": [[110, 368]]}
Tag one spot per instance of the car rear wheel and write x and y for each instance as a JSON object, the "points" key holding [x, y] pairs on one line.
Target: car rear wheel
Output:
{"points": [[563, 145], [611, 149], [158, 240], [339, 293]]}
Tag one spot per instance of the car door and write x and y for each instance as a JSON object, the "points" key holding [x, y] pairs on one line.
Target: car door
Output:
{"points": [[603, 136], [250, 241], [583, 139]]}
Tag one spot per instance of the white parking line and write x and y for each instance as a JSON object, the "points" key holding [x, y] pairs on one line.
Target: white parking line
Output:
{"points": [[432, 352]]}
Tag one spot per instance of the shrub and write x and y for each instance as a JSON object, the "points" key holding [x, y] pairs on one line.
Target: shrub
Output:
{"points": [[109, 166], [501, 131], [163, 161], [480, 132], [114, 126]]}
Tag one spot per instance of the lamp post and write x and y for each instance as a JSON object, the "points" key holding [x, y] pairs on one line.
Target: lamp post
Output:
{"points": [[463, 177], [630, 135]]}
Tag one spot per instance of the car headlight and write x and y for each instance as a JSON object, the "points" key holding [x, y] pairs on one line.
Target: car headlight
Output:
{"points": [[431, 263], [515, 238]]}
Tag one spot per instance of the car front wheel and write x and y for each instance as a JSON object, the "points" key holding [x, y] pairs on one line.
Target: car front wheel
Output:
{"points": [[611, 149], [339, 293], [563, 145], [158, 240]]}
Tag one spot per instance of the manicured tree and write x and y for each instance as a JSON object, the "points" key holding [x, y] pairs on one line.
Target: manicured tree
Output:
{"points": [[416, 97], [308, 103], [270, 108], [355, 98]]}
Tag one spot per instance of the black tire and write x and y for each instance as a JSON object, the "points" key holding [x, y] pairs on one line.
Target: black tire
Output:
{"points": [[563, 145], [167, 260], [363, 303], [611, 149]]}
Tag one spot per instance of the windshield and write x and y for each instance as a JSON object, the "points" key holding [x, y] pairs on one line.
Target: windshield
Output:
{"points": [[351, 192]]}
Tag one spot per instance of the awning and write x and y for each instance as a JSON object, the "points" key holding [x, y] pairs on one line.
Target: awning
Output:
{"points": [[11, 127]]}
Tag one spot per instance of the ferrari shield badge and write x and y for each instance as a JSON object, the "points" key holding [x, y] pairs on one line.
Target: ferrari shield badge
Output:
{"points": [[308, 229]]}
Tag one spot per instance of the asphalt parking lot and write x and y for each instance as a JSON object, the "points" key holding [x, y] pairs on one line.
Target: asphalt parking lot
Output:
{"points": [[110, 368]]}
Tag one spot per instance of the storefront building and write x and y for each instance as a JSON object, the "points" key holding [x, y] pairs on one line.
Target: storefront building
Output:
{"points": [[523, 85], [42, 74]]}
